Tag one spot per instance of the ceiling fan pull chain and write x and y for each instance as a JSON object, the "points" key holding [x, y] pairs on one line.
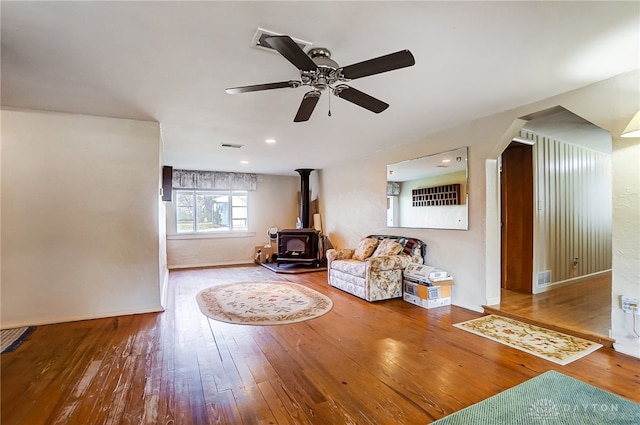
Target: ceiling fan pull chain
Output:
{"points": [[329, 114]]}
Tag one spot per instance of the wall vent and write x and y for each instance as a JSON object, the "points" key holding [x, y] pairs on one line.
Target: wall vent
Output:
{"points": [[231, 145], [260, 35], [544, 278]]}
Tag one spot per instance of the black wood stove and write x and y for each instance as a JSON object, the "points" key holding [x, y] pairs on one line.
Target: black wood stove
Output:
{"points": [[300, 245]]}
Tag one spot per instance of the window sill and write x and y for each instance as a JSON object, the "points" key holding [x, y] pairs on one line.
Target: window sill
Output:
{"points": [[221, 235]]}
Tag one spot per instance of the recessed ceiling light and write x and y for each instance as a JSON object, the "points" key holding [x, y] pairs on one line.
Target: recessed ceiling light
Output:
{"points": [[270, 141], [446, 160], [244, 162]]}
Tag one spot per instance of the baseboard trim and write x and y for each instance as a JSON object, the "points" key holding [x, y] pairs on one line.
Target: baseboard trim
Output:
{"points": [[626, 350], [203, 265], [493, 301], [63, 319], [561, 283], [476, 308]]}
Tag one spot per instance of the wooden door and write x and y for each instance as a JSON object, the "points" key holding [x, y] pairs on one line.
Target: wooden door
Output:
{"points": [[517, 218]]}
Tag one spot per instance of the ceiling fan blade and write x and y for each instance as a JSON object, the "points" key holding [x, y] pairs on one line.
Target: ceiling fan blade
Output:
{"points": [[307, 106], [258, 87], [352, 95], [397, 60], [292, 52]]}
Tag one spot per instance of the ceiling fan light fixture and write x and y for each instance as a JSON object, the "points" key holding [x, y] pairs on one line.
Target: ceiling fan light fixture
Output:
{"points": [[322, 57], [633, 128]]}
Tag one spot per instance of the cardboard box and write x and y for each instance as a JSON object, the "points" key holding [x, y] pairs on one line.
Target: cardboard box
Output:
{"points": [[262, 254], [426, 292], [424, 303], [442, 282], [440, 291]]}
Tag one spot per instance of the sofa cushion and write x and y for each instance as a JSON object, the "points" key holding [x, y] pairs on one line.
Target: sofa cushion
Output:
{"points": [[365, 248], [413, 247], [389, 262], [351, 267], [387, 247]]}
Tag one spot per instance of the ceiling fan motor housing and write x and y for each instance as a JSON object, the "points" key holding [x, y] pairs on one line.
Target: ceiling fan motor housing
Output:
{"points": [[325, 74]]}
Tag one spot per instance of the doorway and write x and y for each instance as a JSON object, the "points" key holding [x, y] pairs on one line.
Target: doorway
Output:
{"points": [[516, 216], [545, 271]]}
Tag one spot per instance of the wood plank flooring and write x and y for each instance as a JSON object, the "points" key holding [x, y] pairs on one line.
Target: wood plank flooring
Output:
{"points": [[582, 308], [382, 363]]}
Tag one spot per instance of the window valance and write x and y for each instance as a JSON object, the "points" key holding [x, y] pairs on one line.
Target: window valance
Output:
{"points": [[216, 180]]}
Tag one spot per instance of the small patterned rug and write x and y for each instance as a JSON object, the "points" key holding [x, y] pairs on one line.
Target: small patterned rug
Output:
{"points": [[262, 303], [10, 339], [550, 345], [549, 399]]}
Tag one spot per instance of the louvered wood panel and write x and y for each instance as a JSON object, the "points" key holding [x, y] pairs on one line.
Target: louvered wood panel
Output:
{"points": [[573, 214]]}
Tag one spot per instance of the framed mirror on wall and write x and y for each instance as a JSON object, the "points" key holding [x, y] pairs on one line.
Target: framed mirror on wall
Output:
{"points": [[429, 192]]}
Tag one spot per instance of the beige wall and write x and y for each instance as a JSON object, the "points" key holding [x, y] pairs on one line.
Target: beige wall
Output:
{"points": [[274, 203], [80, 234], [473, 256]]}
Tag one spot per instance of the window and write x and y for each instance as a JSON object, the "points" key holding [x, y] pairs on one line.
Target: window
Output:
{"points": [[210, 211]]}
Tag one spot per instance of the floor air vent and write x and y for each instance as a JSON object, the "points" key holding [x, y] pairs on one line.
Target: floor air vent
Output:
{"points": [[544, 278]]}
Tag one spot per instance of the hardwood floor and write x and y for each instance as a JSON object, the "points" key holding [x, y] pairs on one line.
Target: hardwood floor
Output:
{"points": [[582, 308], [383, 363]]}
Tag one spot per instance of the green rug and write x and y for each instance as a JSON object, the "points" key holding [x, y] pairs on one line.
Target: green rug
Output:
{"points": [[549, 399]]}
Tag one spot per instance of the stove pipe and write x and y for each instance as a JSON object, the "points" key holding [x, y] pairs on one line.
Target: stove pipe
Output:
{"points": [[305, 200]]}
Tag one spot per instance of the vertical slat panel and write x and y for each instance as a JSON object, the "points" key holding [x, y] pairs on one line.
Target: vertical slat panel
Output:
{"points": [[573, 208]]}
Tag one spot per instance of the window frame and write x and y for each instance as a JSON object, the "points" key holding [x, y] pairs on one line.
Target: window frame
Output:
{"points": [[231, 196]]}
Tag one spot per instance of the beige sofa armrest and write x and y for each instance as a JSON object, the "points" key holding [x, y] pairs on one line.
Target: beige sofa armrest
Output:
{"points": [[339, 254], [391, 262]]}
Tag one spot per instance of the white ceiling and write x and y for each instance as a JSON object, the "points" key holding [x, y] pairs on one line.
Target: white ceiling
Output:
{"points": [[171, 61], [566, 126]]}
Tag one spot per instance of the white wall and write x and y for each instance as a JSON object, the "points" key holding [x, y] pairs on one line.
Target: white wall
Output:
{"points": [[472, 257], [80, 235], [626, 241], [274, 203]]}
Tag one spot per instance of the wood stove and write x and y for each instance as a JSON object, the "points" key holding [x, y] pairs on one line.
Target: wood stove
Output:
{"points": [[298, 246]]}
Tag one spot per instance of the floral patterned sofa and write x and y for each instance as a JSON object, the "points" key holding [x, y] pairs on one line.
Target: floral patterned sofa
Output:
{"points": [[373, 270]]}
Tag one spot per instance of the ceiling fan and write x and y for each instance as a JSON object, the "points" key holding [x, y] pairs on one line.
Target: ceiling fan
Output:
{"points": [[319, 71]]}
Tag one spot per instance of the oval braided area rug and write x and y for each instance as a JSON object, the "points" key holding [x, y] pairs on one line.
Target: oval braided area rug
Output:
{"points": [[262, 303]]}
